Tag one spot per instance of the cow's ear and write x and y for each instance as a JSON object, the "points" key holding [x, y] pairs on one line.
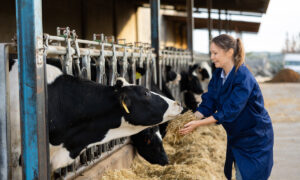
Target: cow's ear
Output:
{"points": [[168, 68]]}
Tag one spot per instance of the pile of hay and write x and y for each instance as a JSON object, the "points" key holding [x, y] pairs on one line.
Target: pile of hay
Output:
{"points": [[197, 156], [286, 75], [175, 125]]}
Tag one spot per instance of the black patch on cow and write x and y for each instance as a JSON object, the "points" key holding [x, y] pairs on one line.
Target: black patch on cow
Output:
{"points": [[204, 74], [145, 108], [190, 82], [11, 63], [170, 74], [190, 101], [150, 146]]}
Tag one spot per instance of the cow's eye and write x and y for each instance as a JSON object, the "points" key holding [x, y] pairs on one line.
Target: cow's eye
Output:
{"points": [[147, 93]]}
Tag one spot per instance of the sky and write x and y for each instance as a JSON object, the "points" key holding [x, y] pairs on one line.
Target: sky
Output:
{"points": [[282, 16]]}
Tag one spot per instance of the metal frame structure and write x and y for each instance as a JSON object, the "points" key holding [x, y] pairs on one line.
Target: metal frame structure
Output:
{"points": [[5, 171], [32, 89], [76, 56]]}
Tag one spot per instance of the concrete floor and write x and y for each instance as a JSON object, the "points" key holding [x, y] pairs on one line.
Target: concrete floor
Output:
{"points": [[286, 151], [282, 101]]}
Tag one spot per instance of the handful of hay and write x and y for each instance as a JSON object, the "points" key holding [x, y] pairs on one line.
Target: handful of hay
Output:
{"points": [[178, 123]]}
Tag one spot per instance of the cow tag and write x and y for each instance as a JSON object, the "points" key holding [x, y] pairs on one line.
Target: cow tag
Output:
{"points": [[125, 107], [138, 75]]}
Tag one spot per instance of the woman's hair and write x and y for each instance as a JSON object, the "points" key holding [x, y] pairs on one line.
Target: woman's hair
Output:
{"points": [[226, 42]]}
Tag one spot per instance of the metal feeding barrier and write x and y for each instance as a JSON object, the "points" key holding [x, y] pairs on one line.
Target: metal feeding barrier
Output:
{"points": [[102, 60]]}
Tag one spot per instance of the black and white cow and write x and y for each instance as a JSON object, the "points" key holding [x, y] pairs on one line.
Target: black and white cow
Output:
{"points": [[149, 141], [148, 144], [83, 113]]}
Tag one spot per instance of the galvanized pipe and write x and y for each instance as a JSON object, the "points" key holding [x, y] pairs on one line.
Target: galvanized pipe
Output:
{"points": [[32, 89], [5, 165]]}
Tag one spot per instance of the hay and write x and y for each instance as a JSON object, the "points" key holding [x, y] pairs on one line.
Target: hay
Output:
{"points": [[286, 75], [176, 124], [197, 156]]}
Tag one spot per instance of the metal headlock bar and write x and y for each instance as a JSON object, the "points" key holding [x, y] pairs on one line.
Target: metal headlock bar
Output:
{"points": [[109, 58]]}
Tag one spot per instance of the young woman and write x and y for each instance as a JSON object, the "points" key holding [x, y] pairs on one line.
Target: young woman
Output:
{"points": [[234, 100]]}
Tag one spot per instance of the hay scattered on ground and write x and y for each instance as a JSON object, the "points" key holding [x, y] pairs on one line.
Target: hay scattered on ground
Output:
{"points": [[200, 156], [286, 75]]}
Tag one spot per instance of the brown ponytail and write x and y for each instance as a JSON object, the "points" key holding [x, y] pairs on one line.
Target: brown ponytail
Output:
{"points": [[227, 42], [239, 54]]}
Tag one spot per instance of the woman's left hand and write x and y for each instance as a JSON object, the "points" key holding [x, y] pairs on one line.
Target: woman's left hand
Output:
{"points": [[189, 127]]}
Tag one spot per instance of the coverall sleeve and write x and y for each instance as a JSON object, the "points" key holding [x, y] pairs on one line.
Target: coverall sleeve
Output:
{"points": [[208, 104], [233, 106]]}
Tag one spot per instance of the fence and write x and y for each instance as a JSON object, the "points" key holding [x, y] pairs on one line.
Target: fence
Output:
{"points": [[102, 59]]}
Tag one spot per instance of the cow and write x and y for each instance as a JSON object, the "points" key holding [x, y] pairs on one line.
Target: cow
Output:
{"points": [[82, 113], [148, 144]]}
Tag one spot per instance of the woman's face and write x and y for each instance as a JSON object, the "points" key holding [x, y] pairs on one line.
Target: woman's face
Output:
{"points": [[219, 56]]}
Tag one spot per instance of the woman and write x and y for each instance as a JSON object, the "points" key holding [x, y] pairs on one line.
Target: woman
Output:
{"points": [[234, 100]]}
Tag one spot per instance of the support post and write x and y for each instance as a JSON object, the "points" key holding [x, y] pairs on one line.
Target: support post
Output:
{"points": [[209, 21], [155, 32], [190, 25], [5, 171], [220, 21], [35, 146], [227, 21]]}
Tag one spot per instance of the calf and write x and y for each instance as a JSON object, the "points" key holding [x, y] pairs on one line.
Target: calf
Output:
{"points": [[82, 113]]}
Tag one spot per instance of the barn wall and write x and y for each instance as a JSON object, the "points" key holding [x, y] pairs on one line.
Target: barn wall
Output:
{"points": [[86, 17]]}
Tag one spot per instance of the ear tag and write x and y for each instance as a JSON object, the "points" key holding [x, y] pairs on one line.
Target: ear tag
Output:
{"points": [[138, 75], [148, 142], [125, 107]]}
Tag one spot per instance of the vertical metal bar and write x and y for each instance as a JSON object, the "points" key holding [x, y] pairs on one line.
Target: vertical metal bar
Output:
{"points": [[227, 22], [220, 22], [113, 67], [32, 89], [84, 14], [190, 24], [100, 67], [155, 31], [210, 25], [5, 171], [86, 66], [114, 19]]}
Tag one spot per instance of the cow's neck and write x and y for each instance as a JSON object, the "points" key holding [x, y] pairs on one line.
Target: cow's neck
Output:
{"points": [[80, 98]]}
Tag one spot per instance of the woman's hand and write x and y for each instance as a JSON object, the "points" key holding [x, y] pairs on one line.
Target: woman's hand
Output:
{"points": [[189, 127]]}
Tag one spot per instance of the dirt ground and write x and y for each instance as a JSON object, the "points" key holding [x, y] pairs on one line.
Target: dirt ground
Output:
{"points": [[282, 101]]}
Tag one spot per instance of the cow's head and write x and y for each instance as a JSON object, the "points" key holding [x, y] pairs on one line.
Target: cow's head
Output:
{"points": [[172, 76], [143, 107], [149, 145], [190, 82]]}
